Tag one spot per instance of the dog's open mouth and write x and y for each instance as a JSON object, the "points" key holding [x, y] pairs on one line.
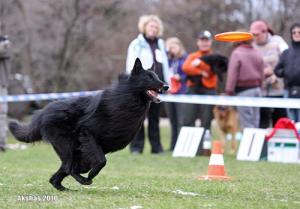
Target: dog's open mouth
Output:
{"points": [[153, 95]]}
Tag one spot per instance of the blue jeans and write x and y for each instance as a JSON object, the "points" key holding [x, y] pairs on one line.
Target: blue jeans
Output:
{"points": [[293, 114]]}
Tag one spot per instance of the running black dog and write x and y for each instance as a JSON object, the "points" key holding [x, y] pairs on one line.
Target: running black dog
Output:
{"points": [[84, 129]]}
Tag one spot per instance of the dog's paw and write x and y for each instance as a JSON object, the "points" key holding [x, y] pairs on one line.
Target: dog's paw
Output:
{"points": [[87, 182], [59, 186]]}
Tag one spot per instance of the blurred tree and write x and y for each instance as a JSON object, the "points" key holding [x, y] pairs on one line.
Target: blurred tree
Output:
{"points": [[70, 45]]}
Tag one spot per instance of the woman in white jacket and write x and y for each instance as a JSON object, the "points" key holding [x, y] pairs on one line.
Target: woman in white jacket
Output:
{"points": [[151, 50]]}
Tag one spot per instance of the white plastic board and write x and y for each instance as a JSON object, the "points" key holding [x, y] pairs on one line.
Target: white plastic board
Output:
{"points": [[251, 144], [188, 142]]}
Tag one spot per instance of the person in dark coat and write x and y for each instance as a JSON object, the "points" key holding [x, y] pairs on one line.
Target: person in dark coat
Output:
{"points": [[289, 69]]}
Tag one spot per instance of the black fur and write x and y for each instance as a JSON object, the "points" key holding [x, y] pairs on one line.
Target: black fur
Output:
{"points": [[83, 130], [218, 64]]}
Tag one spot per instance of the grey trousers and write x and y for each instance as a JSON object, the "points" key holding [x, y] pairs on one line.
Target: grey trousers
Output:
{"points": [[249, 116], [175, 113], [3, 118], [194, 111]]}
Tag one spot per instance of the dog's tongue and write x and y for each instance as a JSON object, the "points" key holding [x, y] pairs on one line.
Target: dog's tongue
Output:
{"points": [[152, 93]]}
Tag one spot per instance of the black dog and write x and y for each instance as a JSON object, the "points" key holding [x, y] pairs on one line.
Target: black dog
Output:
{"points": [[218, 64], [84, 129]]}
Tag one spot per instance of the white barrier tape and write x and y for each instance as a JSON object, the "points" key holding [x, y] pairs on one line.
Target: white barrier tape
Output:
{"points": [[39, 97], [181, 98], [233, 101]]}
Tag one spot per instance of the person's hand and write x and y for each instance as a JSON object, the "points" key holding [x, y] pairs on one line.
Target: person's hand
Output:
{"points": [[204, 74], [196, 62], [177, 77], [272, 79], [268, 71]]}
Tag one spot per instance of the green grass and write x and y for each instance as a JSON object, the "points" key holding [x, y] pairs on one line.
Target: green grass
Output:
{"points": [[148, 181]]}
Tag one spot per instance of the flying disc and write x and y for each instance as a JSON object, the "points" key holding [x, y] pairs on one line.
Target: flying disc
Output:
{"points": [[234, 36]]}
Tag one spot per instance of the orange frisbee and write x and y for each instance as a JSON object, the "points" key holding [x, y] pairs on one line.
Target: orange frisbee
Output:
{"points": [[234, 36]]}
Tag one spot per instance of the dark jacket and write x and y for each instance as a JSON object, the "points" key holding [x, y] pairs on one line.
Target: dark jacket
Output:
{"points": [[289, 65]]}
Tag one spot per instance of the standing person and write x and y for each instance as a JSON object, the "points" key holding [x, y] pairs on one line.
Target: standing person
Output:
{"points": [[176, 111], [270, 46], [150, 48], [244, 78], [289, 69], [4, 45], [200, 80]]}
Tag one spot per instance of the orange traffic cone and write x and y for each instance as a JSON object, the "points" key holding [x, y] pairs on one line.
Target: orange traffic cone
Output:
{"points": [[216, 169]]}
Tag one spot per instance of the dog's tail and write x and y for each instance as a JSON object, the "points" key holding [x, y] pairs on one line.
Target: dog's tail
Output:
{"points": [[26, 132]]}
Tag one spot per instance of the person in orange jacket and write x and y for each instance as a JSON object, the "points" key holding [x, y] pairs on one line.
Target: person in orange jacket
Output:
{"points": [[200, 80]]}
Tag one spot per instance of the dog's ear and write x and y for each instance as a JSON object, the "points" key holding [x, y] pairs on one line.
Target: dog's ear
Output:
{"points": [[209, 59], [123, 77], [152, 67], [137, 68]]}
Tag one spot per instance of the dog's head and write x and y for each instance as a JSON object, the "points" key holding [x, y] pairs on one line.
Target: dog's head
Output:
{"points": [[147, 82], [217, 62]]}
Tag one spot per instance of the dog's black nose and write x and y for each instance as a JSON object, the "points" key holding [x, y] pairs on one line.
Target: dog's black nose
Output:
{"points": [[165, 88]]}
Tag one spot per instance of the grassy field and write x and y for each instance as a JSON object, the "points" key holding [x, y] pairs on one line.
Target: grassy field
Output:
{"points": [[146, 181]]}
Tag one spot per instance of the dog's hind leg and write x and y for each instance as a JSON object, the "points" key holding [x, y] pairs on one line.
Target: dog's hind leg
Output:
{"points": [[57, 178], [63, 171], [97, 165], [76, 168], [64, 147], [94, 153]]}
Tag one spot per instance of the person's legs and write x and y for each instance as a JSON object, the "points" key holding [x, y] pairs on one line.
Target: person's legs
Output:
{"points": [[293, 114], [289, 111], [206, 111], [256, 116], [206, 115], [3, 118], [153, 129], [180, 112], [265, 117], [249, 116], [172, 115], [191, 114], [245, 114], [297, 115], [191, 110], [278, 113], [137, 144], [256, 110]]}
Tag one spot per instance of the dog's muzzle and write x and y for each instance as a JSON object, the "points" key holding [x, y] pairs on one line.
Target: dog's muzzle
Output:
{"points": [[163, 89]]}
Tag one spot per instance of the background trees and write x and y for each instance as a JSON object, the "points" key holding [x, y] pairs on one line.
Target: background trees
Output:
{"points": [[70, 45]]}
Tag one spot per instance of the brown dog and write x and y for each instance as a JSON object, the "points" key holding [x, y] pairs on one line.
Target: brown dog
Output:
{"points": [[226, 121]]}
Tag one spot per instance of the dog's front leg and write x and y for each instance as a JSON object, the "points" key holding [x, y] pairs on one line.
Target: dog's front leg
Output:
{"points": [[233, 142]]}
